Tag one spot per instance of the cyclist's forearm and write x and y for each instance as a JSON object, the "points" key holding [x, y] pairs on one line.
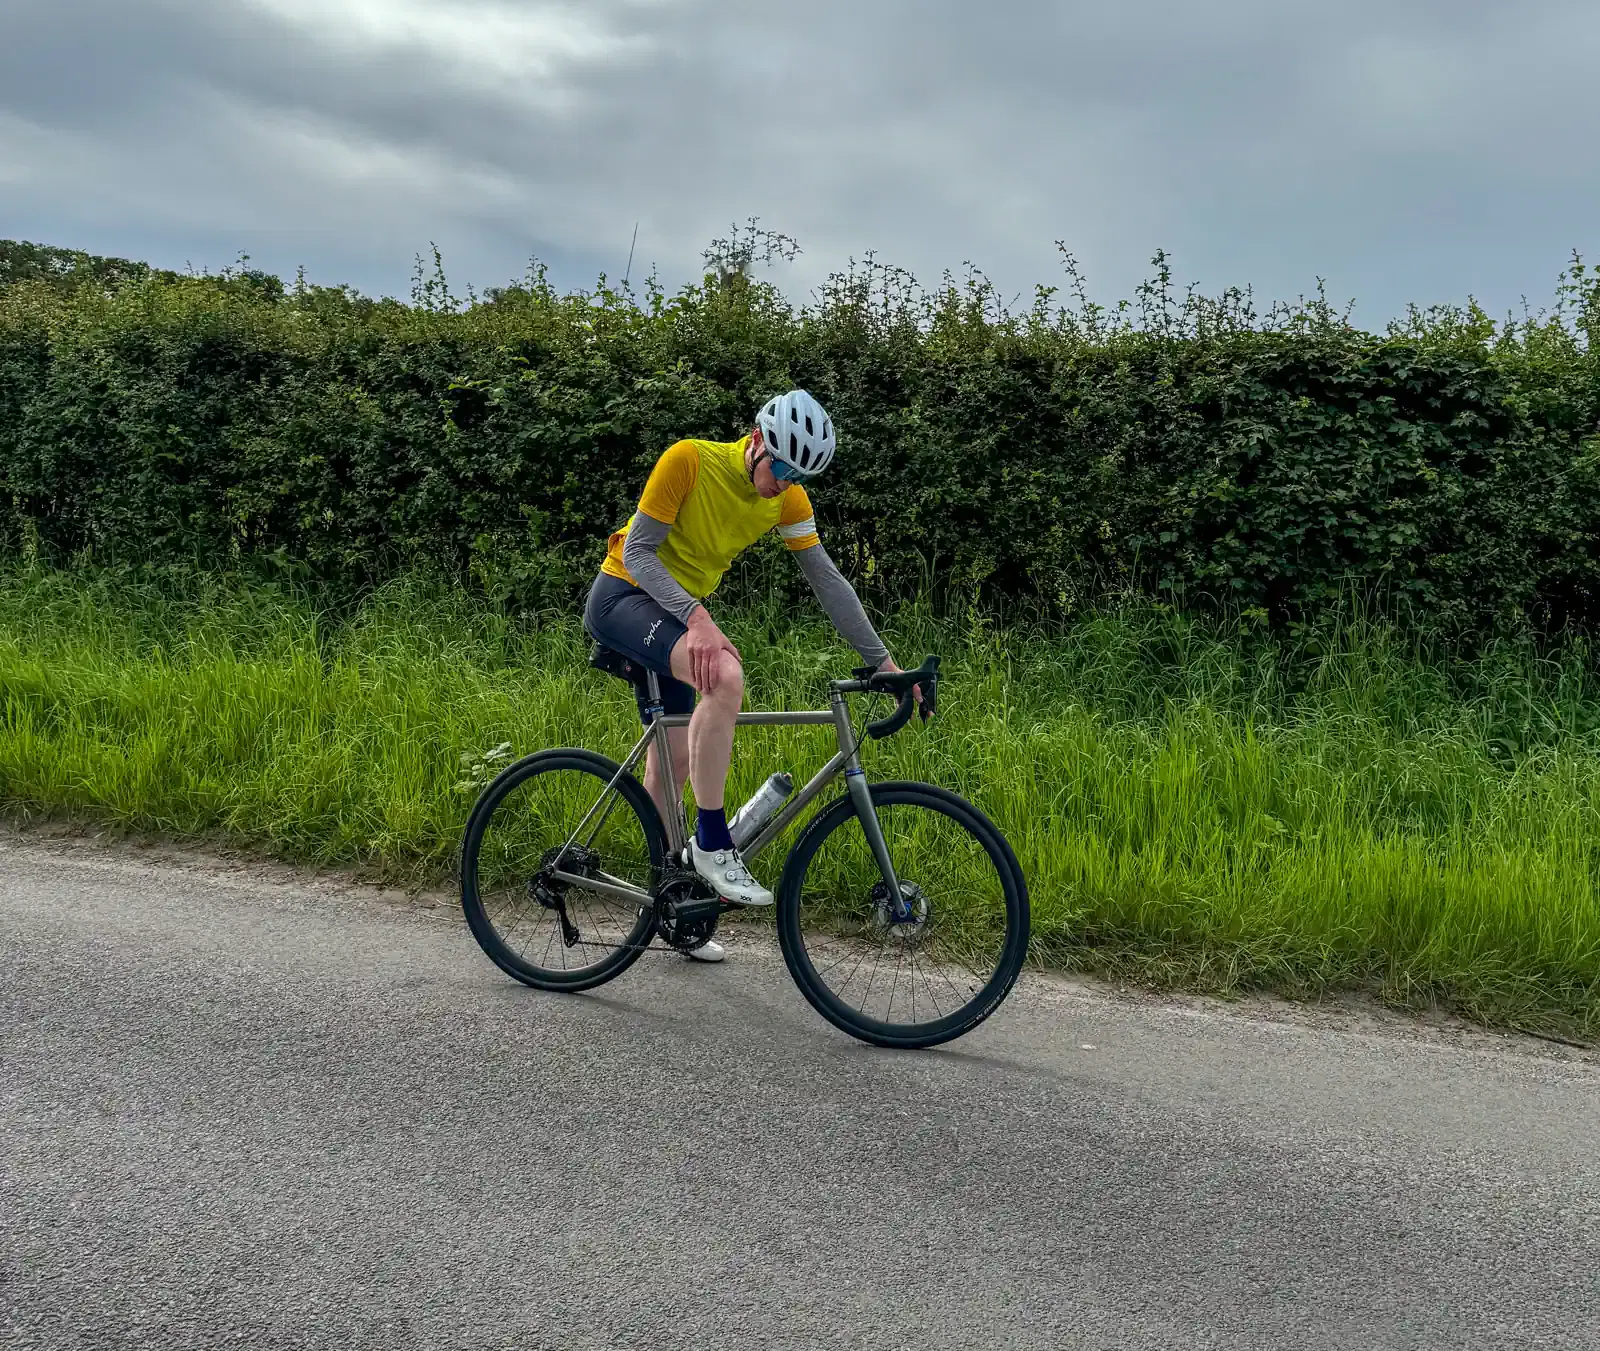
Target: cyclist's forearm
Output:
{"points": [[842, 605], [644, 565]]}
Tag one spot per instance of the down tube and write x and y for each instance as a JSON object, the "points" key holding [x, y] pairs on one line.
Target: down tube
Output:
{"points": [[797, 804]]}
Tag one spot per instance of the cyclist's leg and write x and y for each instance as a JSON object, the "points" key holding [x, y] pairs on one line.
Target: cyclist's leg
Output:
{"points": [[660, 794], [626, 619], [711, 728]]}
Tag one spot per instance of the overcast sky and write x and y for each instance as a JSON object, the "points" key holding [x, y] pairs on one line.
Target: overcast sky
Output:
{"points": [[1406, 150]]}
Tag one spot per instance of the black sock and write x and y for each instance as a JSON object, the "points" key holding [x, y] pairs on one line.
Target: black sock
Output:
{"points": [[711, 828]]}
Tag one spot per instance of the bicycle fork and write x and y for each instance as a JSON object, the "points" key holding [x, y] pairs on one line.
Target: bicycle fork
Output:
{"points": [[855, 780]]}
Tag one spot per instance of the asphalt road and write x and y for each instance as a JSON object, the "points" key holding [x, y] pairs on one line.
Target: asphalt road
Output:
{"points": [[238, 1108]]}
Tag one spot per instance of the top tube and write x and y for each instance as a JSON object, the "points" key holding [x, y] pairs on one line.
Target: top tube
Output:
{"points": [[818, 718]]}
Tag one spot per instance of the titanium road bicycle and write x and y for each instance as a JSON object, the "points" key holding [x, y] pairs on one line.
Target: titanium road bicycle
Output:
{"points": [[902, 912]]}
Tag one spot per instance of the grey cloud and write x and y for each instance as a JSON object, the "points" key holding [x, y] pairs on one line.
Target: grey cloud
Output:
{"points": [[1415, 150]]}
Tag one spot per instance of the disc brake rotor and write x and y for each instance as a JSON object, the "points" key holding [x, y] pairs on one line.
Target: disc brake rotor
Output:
{"points": [[906, 922]]}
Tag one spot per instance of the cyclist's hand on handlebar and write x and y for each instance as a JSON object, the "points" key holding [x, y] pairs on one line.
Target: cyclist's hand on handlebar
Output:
{"points": [[704, 645], [887, 667]]}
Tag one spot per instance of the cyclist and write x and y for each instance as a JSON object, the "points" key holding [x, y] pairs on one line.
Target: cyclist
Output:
{"points": [[704, 503]]}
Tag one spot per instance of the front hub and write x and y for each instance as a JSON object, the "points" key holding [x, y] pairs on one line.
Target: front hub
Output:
{"points": [[905, 921]]}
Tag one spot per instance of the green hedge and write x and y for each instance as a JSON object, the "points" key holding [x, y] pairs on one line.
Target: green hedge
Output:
{"points": [[1276, 464]]}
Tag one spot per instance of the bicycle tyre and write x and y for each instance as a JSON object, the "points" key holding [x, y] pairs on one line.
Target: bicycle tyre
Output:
{"points": [[820, 995], [482, 821]]}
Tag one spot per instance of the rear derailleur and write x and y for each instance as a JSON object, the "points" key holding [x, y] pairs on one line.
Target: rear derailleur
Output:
{"points": [[552, 893]]}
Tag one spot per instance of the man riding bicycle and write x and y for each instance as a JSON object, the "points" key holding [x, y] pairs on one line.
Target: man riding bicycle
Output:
{"points": [[704, 503]]}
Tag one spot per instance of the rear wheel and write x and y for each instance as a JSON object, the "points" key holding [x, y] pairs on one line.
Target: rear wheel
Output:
{"points": [[547, 932], [939, 964]]}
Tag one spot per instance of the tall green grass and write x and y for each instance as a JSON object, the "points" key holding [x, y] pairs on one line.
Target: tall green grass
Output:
{"points": [[1190, 804]]}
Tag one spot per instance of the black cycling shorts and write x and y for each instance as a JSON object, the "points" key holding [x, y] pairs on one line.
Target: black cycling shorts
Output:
{"points": [[624, 618]]}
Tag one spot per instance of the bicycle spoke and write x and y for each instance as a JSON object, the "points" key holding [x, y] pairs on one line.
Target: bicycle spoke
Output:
{"points": [[894, 984], [544, 957], [522, 914], [938, 1011]]}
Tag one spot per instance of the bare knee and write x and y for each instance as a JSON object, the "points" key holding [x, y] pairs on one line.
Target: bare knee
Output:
{"points": [[730, 681]]}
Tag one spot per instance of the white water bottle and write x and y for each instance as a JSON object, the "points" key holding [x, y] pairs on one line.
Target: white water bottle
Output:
{"points": [[761, 808]]}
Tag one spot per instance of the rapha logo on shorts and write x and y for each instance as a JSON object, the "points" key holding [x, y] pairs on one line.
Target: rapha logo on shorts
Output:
{"points": [[652, 632]]}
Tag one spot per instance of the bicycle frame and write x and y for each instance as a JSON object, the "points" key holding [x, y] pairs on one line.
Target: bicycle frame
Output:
{"points": [[846, 761]]}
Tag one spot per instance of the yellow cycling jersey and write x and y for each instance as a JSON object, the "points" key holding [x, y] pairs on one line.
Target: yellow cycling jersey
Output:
{"points": [[702, 490]]}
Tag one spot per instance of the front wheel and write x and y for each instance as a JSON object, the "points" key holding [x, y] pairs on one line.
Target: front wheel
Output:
{"points": [[937, 965]]}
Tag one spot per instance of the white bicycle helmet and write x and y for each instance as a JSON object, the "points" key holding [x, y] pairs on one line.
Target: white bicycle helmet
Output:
{"points": [[797, 432]]}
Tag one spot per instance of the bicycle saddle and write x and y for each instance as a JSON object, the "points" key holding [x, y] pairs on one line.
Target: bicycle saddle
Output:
{"points": [[602, 658]]}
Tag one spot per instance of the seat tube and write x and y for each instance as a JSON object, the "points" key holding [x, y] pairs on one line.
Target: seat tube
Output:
{"points": [[855, 780], [674, 822]]}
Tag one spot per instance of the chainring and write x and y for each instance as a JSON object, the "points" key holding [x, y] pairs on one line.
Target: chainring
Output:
{"points": [[683, 935]]}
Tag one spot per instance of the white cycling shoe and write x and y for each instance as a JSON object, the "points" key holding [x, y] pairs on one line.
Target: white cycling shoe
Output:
{"points": [[724, 871], [709, 951]]}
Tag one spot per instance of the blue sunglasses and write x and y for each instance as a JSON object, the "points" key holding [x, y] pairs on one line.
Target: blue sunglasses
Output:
{"points": [[785, 473]]}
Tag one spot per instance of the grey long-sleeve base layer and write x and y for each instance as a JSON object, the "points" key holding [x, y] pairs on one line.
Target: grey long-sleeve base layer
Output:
{"points": [[835, 594]]}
